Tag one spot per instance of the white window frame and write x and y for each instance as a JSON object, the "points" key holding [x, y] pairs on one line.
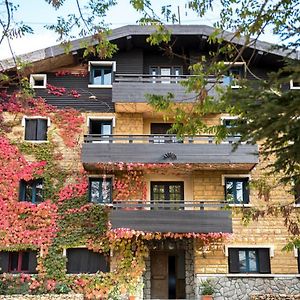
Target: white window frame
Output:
{"points": [[34, 77], [224, 176], [292, 87], [23, 123], [104, 63], [237, 63], [296, 251], [270, 247]]}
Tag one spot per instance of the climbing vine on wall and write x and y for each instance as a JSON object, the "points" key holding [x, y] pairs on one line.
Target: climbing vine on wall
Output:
{"points": [[65, 218]]}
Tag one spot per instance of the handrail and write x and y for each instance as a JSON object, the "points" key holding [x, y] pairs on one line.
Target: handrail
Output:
{"points": [[165, 204], [159, 78], [154, 138]]}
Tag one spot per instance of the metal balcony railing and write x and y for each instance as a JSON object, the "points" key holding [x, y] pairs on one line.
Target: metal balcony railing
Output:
{"points": [[155, 139], [168, 205], [163, 79]]}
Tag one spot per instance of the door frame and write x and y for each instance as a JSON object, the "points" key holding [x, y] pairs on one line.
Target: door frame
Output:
{"points": [[169, 253]]}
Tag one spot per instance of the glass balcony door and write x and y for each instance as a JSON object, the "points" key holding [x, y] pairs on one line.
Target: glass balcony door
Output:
{"points": [[168, 193]]}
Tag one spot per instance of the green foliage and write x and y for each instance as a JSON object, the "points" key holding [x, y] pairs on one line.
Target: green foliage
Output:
{"points": [[207, 287], [54, 175], [160, 35]]}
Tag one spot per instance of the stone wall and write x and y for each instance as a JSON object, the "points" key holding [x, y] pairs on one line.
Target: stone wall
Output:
{"points": [[275, 297], [43, 297], [234, 288]]}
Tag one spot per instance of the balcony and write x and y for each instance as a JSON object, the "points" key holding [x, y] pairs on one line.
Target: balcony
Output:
{"points": [[132, 88], [199, 216], [201, 150]]}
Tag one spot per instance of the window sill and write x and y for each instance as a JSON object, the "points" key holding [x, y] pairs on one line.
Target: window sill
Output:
{"points": [[99, 86], [262, 275], [36, 142], [38, 87], [296, 205], [241, 205]]}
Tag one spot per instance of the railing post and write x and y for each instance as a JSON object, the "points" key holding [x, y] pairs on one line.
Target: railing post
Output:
{"points": [[130, 139]]}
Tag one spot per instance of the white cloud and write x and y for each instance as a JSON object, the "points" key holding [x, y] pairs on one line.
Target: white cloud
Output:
{"points": [[27, 44]]}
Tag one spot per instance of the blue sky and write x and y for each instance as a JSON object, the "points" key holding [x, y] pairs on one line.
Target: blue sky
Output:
{"points": [[37, 14]]}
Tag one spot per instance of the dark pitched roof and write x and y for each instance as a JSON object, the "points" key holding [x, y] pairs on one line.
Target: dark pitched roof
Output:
{"points": [[131, 30]]}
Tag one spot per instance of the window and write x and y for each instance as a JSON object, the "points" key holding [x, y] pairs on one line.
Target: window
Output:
{"points": [[101, 73], [237, 190], [229, 122], [234, 74], [31, 191], [36, 129], [38, 81], [249, 260], [295, 84], [160, 132], [82, 260], [97, 126], [165, 74], [168, 193], [100, 190], [18, 261]]}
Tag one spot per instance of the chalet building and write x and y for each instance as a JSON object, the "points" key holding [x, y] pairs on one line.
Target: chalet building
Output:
{"points": [[191, 185]]}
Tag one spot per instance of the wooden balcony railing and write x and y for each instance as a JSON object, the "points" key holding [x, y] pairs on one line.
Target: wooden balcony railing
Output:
{"points": [[169, 205], [155, 139]]}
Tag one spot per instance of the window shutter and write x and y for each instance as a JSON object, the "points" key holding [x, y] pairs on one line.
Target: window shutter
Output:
{"points": [[84, 260], [96, 262], [246, 191], [233, 260], [264, 260], [4, 261], [22, 190], [30, 129], [41, 129], [74, 261], [32, 262], [298, 261]]}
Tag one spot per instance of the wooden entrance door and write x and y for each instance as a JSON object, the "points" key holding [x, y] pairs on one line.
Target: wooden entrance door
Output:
{"points": [[167, 275]]}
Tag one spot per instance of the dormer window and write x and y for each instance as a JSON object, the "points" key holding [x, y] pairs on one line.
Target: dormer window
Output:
{"points": [[234, 74], [295, 84], [101, 73], [38, 81]]}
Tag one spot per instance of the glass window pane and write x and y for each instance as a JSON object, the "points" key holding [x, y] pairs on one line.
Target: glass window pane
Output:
{"points": [[39, 192], [106, 129], [242, 261], [252, 261], [95, 191], [106, 191], [107, 77], [229, 191], [239, 192], [97, 79], [28, 191]]}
